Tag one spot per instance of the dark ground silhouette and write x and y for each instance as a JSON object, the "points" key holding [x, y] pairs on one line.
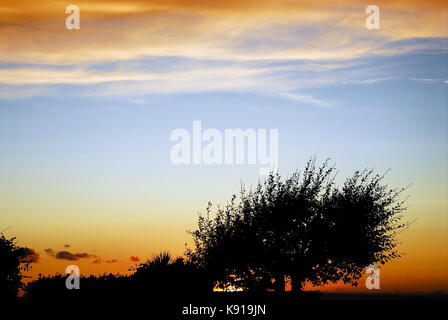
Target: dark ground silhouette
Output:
{"points": [[164, 287]]}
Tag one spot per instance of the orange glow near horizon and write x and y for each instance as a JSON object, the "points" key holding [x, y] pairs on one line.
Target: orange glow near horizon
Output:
{"points": [[422, 268]]}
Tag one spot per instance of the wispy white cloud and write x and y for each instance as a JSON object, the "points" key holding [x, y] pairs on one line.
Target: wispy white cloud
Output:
{"points": [[305, 98], [83, 76], [122, 82], [371, 80], [428, 80]]}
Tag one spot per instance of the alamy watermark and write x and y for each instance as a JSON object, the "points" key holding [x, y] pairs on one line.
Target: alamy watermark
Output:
{"points": [[373, 20], [72, 281], [234, 146], [373, 280], [72, 22]]}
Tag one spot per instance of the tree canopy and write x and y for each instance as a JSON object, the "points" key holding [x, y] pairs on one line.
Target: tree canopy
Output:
{"points": [[304, 227]]}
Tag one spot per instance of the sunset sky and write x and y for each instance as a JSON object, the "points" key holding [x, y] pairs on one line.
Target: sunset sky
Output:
{"points": [[86, 117]]}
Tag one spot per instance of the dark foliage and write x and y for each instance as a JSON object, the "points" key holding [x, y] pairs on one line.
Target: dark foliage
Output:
{"points": [[159, 278], [13, 262], [304, 227], [171, 275]]}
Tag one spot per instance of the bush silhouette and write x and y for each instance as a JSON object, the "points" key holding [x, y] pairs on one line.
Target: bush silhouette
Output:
{"points": [[13, 261], [304, 227], [160, 278], [170, 275]]}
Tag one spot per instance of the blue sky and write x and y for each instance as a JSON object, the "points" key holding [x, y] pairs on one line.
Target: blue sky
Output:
{"points": [[388, 112]]}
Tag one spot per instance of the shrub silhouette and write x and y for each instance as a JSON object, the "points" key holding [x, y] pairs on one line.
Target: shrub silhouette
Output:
{"points": [[160, 278], [170, 275], [93, 288], [13, 261], [304, 227]]}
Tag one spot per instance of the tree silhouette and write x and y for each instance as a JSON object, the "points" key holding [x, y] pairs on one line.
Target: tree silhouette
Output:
{"points": [[13, 261], [304, 227]]}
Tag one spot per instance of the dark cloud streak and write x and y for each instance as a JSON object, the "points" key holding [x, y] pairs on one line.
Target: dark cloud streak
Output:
{"points": [[66, 255]]}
